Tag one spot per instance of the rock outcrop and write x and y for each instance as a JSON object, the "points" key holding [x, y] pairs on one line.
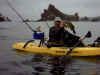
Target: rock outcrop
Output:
{"points": [[52, 12], [4, 18], [95, 19]]}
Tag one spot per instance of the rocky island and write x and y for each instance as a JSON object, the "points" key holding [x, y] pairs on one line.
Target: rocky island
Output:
{"points": [[51, 12], [4, 18]]}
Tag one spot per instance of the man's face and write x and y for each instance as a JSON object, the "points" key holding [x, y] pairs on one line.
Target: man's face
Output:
{"points": [[57, 23]]}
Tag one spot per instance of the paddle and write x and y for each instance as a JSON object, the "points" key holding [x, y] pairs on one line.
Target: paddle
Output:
{"points": [[88, 35]]}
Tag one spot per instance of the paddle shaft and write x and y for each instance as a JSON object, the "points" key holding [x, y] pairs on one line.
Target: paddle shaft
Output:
{"points": [[86, 36]]}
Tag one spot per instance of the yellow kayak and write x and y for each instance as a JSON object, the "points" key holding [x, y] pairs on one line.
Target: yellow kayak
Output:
{"points": [[57, 51]]}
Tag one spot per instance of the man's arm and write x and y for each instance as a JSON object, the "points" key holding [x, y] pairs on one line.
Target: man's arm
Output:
{"points": [[51, 34]]}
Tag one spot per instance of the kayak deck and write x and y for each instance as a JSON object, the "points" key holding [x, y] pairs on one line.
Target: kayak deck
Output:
{"points": [[57, 51]]}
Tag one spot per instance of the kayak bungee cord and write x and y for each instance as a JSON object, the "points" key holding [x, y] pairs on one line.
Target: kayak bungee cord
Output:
{"points": [[18, 14]]}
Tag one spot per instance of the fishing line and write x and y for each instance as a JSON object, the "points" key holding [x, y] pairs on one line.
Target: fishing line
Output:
{"points": [[18, 14]]}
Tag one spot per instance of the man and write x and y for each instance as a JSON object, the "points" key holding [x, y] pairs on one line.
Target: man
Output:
{"points": [[58, 36]]}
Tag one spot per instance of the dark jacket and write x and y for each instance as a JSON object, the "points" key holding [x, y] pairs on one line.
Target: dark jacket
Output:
{"points": [[56, 34], [62, 37]]}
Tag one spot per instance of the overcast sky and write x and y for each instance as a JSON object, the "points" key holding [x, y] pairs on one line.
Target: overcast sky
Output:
{"points": [[33, 8]]}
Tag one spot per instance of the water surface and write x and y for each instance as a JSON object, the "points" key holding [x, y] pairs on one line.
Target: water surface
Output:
{"points": [[12, 63]]}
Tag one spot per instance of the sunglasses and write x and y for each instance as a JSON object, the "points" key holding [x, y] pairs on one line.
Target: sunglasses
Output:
{"points": [[58, 21]]}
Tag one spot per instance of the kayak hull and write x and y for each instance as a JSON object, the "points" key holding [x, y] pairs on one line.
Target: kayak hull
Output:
{"points": [[57, 51]]}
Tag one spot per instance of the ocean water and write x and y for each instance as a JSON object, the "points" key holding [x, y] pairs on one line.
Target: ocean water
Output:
{"points": [[14, 63]]}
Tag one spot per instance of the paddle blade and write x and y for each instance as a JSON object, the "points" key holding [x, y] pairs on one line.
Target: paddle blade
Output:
{"points": [[97, 40], [88, 35]]}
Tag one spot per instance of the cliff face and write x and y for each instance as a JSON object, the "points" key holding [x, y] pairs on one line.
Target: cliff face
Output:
{"points": [[52, 12]]}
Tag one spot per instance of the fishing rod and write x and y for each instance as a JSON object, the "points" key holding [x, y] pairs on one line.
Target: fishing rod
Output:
{"points": [[47, 24], [36, 35], [18, 14]]}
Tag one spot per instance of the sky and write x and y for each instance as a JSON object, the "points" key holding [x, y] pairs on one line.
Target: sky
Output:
{"points": [[33, 8]]}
